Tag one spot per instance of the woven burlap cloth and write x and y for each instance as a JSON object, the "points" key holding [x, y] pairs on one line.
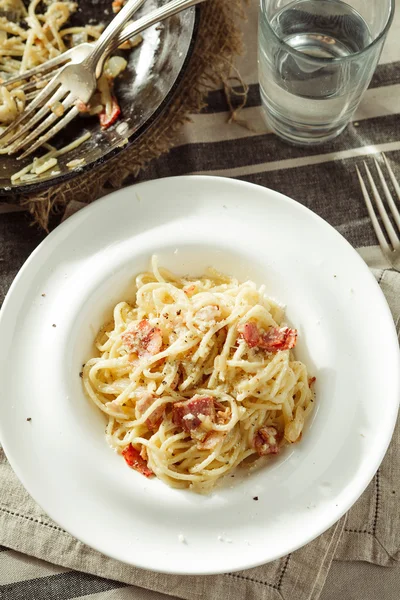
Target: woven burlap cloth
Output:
{"points": [[369, 532]]}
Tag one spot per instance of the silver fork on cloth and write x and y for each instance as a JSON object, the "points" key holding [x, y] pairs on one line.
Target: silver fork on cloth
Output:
{"points": [[78, 81], [390, 250]]}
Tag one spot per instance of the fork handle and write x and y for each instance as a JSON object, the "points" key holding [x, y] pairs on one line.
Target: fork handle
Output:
{"points": [[155, 16], [112, 31]]}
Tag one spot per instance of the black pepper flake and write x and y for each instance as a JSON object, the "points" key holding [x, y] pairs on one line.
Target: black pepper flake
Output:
{"points": [[167, 316], [81, 374], [54, 325], [29, 419], [164, 382], [43, 295], [178, 312], [255, 498], [232, 476], [393, 492]]}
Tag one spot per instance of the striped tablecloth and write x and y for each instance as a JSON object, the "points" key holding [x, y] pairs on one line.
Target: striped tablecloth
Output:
{"points": [[322, 178]]}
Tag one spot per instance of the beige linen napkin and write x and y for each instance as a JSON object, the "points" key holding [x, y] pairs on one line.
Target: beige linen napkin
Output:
{"points": [[370, 532]]}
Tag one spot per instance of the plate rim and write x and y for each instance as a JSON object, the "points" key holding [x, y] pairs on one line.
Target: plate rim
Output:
{"points": [[367, 475]]}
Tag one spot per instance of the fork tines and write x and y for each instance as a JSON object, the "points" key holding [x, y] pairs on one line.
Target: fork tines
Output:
{"points": [[49, 105], [388, 229]]}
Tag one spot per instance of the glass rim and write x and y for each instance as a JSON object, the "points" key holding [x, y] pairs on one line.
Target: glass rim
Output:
{"points": [[321, 60]]}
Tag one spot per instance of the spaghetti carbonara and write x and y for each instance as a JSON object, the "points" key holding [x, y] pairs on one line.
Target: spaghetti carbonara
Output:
{"points": [[197, 377]]}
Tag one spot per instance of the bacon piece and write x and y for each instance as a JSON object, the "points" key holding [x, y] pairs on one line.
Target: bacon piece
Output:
{"points": [[116, 406], [311, 381], [266, 441], [81, 106], [278, 339], [273, 340], [144, 339], [189, 290], [155, 418], [250, 333], [117, 5], [107, 120], [135, 461], [186, 414], [211, 440]]}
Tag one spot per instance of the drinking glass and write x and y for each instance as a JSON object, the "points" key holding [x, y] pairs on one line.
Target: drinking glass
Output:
{"points": [[316, 58]]}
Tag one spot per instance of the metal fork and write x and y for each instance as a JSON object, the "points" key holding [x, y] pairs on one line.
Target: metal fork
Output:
{"points": [[73, 82], [77, 82], [390, 250]]}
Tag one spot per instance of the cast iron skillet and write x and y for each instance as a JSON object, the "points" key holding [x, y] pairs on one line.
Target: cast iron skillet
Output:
{"points": [[144, 90]]}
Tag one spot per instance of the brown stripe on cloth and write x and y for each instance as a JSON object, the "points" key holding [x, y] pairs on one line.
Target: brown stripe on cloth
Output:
{"points": [[17, 241], [259, 149], [63, 586], [384, 75]]}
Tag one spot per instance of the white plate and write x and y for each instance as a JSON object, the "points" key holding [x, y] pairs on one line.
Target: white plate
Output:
{"points": [[347, 339]]}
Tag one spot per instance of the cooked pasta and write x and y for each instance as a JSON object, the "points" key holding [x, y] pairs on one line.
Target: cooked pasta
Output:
{"points": [[196, 377]]}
